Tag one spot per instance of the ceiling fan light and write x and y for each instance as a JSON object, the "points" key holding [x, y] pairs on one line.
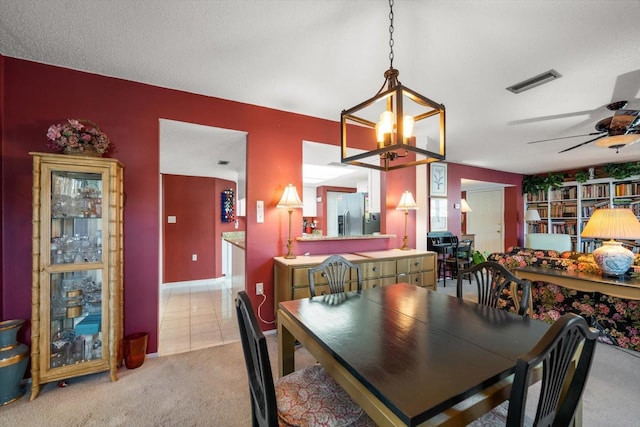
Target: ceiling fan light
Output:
{"points": [[617, 141]]}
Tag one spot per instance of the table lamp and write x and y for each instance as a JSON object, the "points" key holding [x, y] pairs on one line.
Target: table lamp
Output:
{"points": [[532, 215], [290, 200], [464, 206], [621, 223], [406, 203]]}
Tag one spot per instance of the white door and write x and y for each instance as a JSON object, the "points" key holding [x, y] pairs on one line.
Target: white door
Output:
{"points": [[486, 220]]}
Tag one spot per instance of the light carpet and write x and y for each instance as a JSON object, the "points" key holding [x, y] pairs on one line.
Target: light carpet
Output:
{"points": [[209, 388]]}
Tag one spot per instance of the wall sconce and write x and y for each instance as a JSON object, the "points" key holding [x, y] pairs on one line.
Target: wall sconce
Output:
{"points": [[406, 203], [532, 215], [396, 128], [290, 200], [620, 223]]}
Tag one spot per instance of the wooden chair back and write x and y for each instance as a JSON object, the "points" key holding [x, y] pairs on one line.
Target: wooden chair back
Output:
{"points": [[264, 408], [337, 270], [566, 353], [491, 279]]}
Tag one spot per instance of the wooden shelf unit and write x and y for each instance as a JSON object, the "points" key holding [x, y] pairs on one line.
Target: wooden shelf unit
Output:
{"points": [[566, 210], [77, 258]]}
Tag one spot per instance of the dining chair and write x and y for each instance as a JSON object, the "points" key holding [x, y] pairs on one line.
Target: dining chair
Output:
{"points": [[491, 279], [449, 262], [337, 270], [566, 353], [307, 397], [461, 258]]}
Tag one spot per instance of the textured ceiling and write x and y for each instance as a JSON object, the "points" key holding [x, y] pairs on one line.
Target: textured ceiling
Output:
{"points": [[319, 57]]}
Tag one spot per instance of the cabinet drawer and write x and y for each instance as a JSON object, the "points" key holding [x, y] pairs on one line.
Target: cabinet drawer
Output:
{"points": [[378, 269], [370, 270], [299, 293], [371, 283], [305, 291], [425, 280], [300, 277], [403, 278], [416, 264]]}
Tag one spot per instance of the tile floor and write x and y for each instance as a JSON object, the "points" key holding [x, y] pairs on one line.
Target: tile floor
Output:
{"points": [[196, 314]]}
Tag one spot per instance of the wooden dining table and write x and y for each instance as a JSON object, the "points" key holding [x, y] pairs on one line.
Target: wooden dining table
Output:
{"points": [[408, 355]]}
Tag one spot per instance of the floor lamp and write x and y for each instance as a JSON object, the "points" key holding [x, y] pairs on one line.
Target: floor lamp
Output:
{"points": [[406, 203], [290, 200]]}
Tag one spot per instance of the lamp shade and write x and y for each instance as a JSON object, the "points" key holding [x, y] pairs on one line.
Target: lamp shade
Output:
{"points": [[618, 141], [407, 202], [464, 206], [612, 258], [618, 223], [532, 215], [290, 198]]}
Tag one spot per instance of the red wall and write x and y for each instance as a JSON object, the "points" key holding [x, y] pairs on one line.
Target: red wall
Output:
{"points": [[129, 113], [2, 317], [196, 204], [513, 201]]}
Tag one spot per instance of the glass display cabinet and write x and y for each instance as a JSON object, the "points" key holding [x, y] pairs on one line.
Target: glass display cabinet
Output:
{"points": [[77, 282]]}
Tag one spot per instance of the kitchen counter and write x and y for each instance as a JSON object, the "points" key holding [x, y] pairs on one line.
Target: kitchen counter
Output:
{"points": [[235, 257], [361, 237], [236, 238]]}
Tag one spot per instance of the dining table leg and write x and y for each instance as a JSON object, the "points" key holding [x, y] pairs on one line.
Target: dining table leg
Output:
{"points": [[286, 342]]}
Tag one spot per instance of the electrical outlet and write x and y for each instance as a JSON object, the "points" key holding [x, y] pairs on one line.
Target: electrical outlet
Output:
{"points": [[194, 257], [259, 289]]}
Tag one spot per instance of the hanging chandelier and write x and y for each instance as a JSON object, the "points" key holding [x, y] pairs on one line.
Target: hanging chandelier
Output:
{"points": [[392, 125]]}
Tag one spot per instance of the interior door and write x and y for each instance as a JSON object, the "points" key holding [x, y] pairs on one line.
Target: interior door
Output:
{"points": [[486, 220]]}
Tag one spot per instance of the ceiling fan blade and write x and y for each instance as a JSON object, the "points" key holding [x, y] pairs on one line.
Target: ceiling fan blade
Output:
{"points": [[564, 137], [553, 117], [582, 143], [626, 84]]}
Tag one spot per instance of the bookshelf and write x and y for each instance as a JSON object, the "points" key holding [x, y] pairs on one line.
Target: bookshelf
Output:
{"points": [[567, 209]]}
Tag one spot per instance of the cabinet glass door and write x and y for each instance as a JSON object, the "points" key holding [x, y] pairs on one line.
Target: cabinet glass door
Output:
{"points": [[76, 317], [76, 293]]}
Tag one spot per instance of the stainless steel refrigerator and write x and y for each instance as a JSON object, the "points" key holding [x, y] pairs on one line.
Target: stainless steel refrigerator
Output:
{"points": [[351, 209], [352, 217]]}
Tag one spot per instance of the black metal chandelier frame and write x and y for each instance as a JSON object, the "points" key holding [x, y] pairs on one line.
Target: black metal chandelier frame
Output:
{"points": [[393, 94]]}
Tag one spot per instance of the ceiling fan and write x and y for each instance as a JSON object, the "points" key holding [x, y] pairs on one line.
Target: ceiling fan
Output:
{"points": [[617, 131]]}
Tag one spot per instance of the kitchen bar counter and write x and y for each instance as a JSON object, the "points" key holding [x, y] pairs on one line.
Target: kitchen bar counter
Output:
{"points": [[311, 238], [236, 238]]}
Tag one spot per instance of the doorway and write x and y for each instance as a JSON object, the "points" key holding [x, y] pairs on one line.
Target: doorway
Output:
{"points": [[487, 220], [195, 314]]}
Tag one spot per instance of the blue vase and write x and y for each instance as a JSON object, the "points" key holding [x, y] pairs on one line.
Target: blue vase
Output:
{"points": [[14, 358]]}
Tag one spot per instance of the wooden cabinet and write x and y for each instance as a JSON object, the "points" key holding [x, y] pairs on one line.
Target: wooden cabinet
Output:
{"points": [[77, 281], [291, 276]]}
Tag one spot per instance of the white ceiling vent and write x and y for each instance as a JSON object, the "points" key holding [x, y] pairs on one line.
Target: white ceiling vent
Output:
{"points": [[534, 81]]}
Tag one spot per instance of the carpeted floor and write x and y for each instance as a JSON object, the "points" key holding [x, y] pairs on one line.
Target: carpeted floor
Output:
{"points": [[209, 388]]}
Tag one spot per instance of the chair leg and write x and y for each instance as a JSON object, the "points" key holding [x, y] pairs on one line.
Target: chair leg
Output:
{"points": [[442, 273]]}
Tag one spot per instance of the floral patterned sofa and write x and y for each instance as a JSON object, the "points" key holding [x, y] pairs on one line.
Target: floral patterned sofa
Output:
{"points": [[617, 319]]}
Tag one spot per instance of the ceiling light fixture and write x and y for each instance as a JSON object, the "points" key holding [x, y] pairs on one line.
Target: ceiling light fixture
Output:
{"points": [[399, 127]]}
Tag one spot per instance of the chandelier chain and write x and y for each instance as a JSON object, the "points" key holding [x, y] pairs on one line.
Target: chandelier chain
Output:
{"points": [[391, 33]]}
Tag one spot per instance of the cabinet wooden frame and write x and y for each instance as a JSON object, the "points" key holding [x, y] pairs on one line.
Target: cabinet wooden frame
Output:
{"points": [[109, 266]]}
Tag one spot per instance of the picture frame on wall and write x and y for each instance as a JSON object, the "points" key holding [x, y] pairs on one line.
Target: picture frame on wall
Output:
{"points": [[438, 180], [438, 214]]}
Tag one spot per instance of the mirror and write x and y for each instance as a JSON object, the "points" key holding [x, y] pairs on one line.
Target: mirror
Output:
{"points": [[321, 167]]}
